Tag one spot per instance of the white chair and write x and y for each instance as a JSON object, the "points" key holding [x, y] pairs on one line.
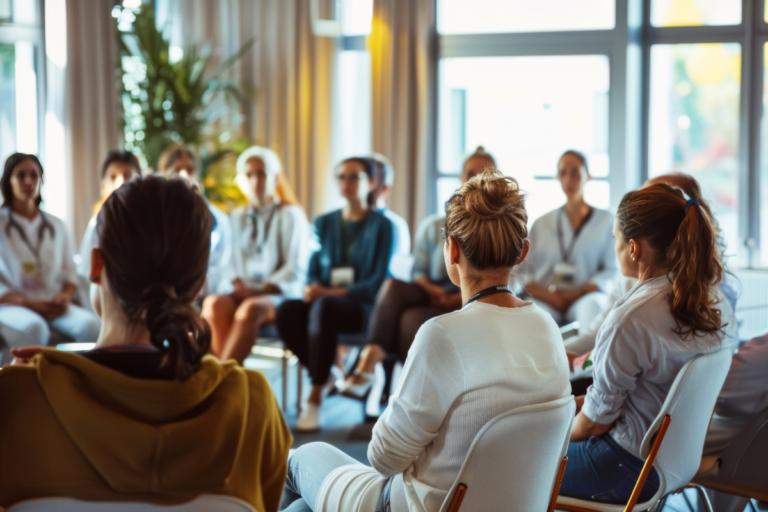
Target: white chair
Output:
{"points": [[686, 412], [205, 503], [513, 462]]}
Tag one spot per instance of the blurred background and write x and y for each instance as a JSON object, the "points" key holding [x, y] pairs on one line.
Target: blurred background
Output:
{"points": [[642, 87]]}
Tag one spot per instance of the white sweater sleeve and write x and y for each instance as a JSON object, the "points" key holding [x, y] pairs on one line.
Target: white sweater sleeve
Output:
{"points": [[432, 379]]}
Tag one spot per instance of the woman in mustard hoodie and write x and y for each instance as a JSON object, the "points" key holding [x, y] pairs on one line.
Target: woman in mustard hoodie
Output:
{"points": [[145, 416]]}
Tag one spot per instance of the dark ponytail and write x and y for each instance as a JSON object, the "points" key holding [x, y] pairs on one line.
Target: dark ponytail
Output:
{"points": [[155, 238], [684, 235]]}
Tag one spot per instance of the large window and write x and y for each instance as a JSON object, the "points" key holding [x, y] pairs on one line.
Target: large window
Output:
{"points": [[20, 72], [525, 111]]}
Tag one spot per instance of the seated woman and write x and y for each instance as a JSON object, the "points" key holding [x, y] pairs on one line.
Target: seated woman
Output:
{"points": [[270, 256], [572, 257], [344, 277], [402, 308], [181, 161], [673, 314], [145, 416], [495, 354], [119, 167], [37, 269]]}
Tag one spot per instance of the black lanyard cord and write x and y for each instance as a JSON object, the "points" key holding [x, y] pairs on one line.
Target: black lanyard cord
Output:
{"points": [[255, 231], [493, 290], [566, 254], [44, 224]]}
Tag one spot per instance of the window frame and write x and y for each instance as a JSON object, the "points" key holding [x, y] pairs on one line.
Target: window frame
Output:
{"points": [[11, 33]]}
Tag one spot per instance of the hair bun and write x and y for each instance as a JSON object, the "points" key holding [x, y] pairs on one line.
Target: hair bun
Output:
{"points": [[480, 149], [492, 195]]}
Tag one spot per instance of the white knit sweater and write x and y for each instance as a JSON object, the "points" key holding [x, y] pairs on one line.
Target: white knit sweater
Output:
{"points": [[464, 369]]}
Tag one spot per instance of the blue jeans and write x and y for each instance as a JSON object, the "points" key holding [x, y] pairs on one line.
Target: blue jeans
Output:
{"points": [[600, 470], [307, 468]]}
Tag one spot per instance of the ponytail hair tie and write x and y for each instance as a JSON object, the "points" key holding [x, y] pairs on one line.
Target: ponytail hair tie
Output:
{"points": [[689, 203]]}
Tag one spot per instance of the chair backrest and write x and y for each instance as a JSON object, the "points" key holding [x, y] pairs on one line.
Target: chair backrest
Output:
{"points": [[513, 462], [690, 403], [203, 503], [744, 459]]}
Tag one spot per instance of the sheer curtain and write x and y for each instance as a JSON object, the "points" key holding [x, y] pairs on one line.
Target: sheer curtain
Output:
{"points": [[400, 46], [91, 106], [291, 72]]}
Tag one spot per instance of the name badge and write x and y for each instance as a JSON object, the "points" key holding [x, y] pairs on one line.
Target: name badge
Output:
{"points": [[342, 277], [256, 268], [31, 277], [565, 274]]}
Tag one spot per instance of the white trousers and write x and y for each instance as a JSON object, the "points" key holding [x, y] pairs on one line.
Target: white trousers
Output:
{"points": [[584, 310], [22, 327]]}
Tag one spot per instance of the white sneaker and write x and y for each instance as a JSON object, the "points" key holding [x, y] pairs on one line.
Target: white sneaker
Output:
{"points": [[309, 420], [356, 390]]}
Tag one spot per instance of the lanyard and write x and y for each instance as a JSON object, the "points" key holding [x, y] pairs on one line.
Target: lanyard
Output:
{"points": [[35, 250], [255, 232], [493, 290], [566, 254]]}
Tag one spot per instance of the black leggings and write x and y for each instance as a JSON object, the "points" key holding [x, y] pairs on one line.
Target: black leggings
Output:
{"points": [[311, 330], [400, 310]]}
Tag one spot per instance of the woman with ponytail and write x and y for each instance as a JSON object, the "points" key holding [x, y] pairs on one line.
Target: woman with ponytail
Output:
{"points": [[669, 244], [146, 415], [494, 354]]}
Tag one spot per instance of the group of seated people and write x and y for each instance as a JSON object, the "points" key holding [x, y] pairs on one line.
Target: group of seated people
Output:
{"points": [[161, 411]]}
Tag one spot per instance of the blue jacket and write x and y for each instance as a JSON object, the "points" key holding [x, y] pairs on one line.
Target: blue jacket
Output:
{"points": [[370, 257]]}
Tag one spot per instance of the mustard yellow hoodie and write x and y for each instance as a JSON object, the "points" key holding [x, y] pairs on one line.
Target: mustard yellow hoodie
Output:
{"points": [[72, 427]]}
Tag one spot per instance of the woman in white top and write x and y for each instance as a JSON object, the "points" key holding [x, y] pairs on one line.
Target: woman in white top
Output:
{"points": [[673, 314], [271, 255], [37, 269], [572, 257], [495, 354], [118, 168], [181, 161]]}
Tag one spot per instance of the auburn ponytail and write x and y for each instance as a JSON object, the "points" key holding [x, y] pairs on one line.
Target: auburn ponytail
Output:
{"points": [[685, 237], [155, 237]]}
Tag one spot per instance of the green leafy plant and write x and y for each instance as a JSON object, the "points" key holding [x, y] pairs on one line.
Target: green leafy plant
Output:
{"points": [[167, 102]]}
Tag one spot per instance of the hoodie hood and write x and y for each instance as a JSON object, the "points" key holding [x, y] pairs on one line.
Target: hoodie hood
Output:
{"points": [[149, 436]]}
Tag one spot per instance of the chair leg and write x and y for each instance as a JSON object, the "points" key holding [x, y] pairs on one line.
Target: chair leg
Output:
{"points": [[300, 372], [704, 498]]}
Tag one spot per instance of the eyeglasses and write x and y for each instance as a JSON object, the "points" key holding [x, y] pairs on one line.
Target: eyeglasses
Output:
{"points": [[348, 177]]}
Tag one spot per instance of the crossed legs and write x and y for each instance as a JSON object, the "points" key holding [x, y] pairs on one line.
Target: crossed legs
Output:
{"points": [[235, 325]]}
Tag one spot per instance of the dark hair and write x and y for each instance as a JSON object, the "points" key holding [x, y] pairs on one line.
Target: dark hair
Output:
{"points": [[480, 152], [487, 218], [124, 157], [173, 153], [374, 169], [685, 238], [155, 237], [578, 155], [5, 182]]}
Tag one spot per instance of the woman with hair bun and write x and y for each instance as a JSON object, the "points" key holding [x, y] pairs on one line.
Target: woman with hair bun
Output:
{"points": [[271, 253], [401, 308], [572, 262], [674, 313], [146, 415], [495, 354]]}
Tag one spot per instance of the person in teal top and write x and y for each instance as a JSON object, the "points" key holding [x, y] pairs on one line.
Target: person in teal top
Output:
{"points": [[344, 277]]}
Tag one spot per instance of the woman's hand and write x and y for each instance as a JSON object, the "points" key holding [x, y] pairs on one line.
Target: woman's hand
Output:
{"points": [[241, 291], [314, 291], [22, 356], [47, 309]]}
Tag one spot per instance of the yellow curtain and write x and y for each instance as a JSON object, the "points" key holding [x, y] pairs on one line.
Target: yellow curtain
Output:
{"points": [[400, 42], [291, 72]]}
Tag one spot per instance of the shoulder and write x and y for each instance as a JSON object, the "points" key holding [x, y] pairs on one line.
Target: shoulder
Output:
{"points": [[20, 381], [640, 307], [380, 220], [546, 220], [54, 220], [259, 390], [327, 217], [294, 212], [602, 216]]}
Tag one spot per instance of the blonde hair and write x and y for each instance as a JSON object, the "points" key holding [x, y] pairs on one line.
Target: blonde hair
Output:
{"points": [[487, 218], [272, 166]]}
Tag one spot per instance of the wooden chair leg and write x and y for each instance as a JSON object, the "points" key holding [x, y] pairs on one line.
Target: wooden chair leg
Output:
{"points": [[558, 483], [648, 464], [458, 497]]}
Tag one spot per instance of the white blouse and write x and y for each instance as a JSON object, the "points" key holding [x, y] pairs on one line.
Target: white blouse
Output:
{"points": [[464, 369], [272, 246], [637, 357], [593, 252], [41, 276]]}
